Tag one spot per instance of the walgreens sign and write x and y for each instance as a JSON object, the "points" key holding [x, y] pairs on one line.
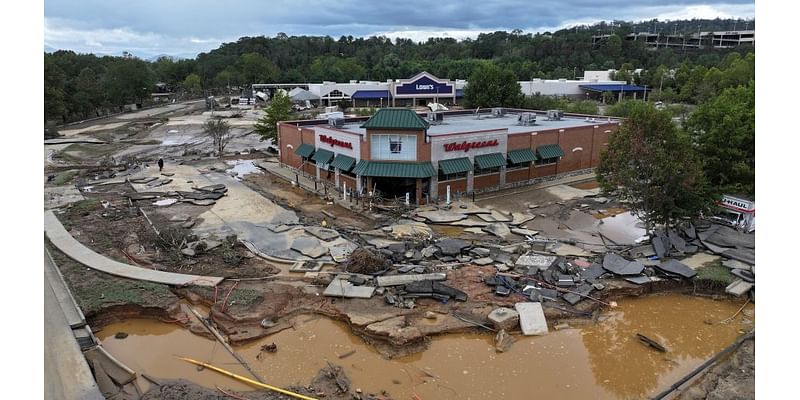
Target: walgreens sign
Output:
{"points": [[335, 142], [466, 146]]}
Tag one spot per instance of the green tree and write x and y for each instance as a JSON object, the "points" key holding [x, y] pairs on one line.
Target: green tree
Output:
{"points": [[651, 164], [623, 108], [492, 86], [279, 110], [54, 81], [258, 69], [192, 84], [128, 80], [724, 131]]}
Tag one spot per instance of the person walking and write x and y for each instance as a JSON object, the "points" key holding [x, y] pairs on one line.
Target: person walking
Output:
{"points": [[160, 164]]}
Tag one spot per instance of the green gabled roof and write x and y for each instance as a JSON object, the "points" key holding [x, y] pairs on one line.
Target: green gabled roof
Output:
{"points": [[390, 169], [305, 150], [395, 118], [343, 162], [322, 156], [521, 156], [550, 151], [490, 160], [455, 166]]}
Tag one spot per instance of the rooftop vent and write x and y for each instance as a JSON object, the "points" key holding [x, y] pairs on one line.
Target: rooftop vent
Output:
{"points": [[435, 117], [498, 112], [336, 122], [527, 119], [555, 115]]}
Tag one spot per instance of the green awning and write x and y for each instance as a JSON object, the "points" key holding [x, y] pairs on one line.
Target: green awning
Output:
{"points": [[395, 118], [455, 166], [322, 156], [550, 151], [390, 169], [343, 162], [487, 161], [521, 156], [305, 150]]}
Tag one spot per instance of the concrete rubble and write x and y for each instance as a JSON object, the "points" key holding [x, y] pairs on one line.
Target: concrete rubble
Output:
{"points": [[531, 319]]}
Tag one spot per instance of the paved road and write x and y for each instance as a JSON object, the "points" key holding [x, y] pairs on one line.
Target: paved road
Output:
{"points": [[66, 373]]}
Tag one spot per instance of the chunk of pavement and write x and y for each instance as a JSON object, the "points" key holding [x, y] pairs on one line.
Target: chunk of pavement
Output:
{"points": [[218, 188], [487, 218], [188, 252], [677, 268], [689, 231], [539, 261], [381, 243], [280, 228], [638, 279], [658, 247], [322, 233], [451, 247], [340, 287], [309, 246], [441, 217], [518, 218], [179, 218], [641, 251], [580, 293], [165, 202], [407, 229], [476, 231], [745, 275], [188, 224], [592, 273], [738, 287], [499, 216], [480, 251], [428, 251], [503, 341], [747, 256], [396, 280], [504, 318], [432, 287], [499, 229], [531, 318], [147, 179], [565, 280], [483, 261], [159, 182], [201, 195], [524, 232], [735, 264], [206, 202], [209, 244], [677, 241], [339, 253], [469, 222], [306, 266], [620, 266]]}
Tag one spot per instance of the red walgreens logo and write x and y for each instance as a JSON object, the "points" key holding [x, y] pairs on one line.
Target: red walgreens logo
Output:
{"points": [[470, 145], [335, 142]]}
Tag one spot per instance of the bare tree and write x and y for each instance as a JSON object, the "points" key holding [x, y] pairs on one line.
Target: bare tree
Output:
{"points": [[220, 132]]}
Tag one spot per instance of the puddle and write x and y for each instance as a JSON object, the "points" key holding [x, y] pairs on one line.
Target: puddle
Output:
{"points": [[602, 361], [623, 228], [243, 167], [447, 231]]}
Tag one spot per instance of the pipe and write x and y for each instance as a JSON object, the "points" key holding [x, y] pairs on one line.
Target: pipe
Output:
{"points": [[246, 380], [705, 365]]}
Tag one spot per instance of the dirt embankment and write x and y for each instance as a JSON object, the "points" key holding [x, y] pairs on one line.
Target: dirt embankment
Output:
{"points": [[732, 379]]}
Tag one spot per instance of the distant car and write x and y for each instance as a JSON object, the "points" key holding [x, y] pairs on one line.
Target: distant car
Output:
{"points": [[659, 105]]}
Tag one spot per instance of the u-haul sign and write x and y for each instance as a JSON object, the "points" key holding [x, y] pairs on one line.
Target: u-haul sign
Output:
{"points": [[737, 204]]}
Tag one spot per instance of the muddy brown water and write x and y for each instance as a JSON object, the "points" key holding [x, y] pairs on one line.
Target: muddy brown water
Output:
{"points": [[586, 185], [600, 361]]}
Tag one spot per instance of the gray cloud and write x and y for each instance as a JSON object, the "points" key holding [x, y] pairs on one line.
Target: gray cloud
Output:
{"points": [[186, 27]]}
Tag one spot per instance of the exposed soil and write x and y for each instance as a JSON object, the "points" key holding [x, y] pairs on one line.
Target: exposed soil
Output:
{"points": [[328, 384], [732, 379]]}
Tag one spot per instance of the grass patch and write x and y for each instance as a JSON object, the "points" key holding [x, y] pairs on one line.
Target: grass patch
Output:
{"points": [[715, 271], [85, 205], [64, 177], [98, 293], [241, 297]]}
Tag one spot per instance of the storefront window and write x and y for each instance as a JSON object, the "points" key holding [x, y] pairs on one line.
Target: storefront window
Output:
{"points": [[524, 165], [449, 177], [547, 161], [485, 171]]}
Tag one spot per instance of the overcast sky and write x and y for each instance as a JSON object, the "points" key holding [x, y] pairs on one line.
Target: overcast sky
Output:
{"points": [[187, 27]]}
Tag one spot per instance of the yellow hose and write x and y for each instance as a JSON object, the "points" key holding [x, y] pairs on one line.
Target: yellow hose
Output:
{"points": [[247, 380]]}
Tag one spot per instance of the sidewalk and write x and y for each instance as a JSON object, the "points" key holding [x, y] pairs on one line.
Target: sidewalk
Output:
{"points": [[82, 254]]}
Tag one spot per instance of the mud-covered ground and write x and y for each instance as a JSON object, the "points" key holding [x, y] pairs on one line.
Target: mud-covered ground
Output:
{"points": [[734, 378]]}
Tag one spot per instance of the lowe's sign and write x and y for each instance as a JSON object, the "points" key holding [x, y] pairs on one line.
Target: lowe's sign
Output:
{"points": [[422, 87]]}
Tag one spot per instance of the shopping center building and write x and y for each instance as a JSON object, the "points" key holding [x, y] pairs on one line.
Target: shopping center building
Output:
{"points": [[400, 153]]}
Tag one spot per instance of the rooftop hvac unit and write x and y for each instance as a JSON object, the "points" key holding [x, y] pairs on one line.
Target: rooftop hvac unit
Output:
{"points": [[498, 112], [435, 117], [336, 122], [527, 119], [555, 115]]}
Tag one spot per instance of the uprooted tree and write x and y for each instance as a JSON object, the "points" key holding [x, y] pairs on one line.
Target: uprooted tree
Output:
{"points": [[651, 164], [219, 131]]}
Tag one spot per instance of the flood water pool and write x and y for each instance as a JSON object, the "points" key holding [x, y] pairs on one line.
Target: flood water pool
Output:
{"points": [[598, 361]]}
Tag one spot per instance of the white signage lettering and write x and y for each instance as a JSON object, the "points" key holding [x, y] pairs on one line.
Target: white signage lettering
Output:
{"points": [[424, 87]]}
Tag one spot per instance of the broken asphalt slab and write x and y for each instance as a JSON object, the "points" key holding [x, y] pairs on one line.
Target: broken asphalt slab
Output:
{"points": [[441, 217], [396, 280], [451, 247], [498, 229], [676, 267], [619, 266], [340, 287]]}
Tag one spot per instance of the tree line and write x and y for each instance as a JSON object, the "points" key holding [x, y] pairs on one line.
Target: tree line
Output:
{"points": [[79, 86]]}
